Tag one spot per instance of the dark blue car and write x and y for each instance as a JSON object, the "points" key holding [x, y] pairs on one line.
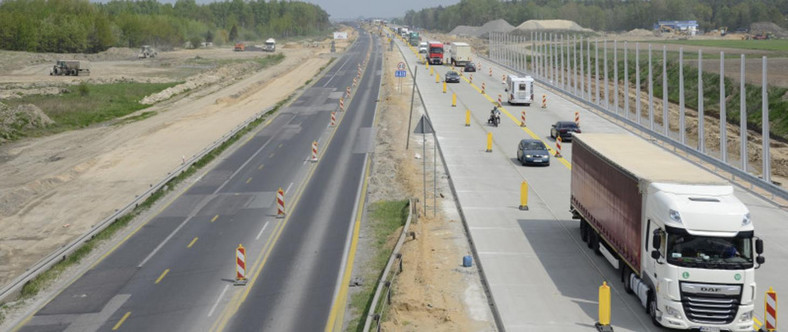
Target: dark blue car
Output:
{"points": [[533, 152]]}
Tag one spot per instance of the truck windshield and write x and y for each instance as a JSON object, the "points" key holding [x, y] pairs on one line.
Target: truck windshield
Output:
{"points": [[708, 252], [436, 50]]}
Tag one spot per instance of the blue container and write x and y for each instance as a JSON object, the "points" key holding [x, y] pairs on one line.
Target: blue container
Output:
{"points": [[467, 261]]}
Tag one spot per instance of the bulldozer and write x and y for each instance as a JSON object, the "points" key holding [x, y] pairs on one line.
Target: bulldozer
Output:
{"points": [[147, 52], [70, 68]]}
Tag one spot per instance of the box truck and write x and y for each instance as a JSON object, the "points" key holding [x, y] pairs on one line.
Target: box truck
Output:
{"points": [[682, 242], [520, 90], [460, 54]]}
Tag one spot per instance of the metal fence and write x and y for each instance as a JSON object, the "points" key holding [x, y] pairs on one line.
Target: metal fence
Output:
{"points": [[384, 289], [566, 63]]}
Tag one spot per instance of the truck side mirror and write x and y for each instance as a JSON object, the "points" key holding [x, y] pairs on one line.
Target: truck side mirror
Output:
{"points": [[758, 246], [655, 240], [506, 90], [655, 254]]}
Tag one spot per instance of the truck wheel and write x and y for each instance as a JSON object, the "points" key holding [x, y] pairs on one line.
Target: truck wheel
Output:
{"points": [[652, 309], [625, 274], [593, 241], [73, 72], [590, 234], [583, 231]]}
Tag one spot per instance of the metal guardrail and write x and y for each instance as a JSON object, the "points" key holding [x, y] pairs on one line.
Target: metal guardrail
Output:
{"points": [[753, 180], [387, 278], [15, 286]]}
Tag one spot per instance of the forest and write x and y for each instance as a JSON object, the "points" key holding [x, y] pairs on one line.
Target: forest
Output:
{"points": [[79, 26], [604, 15]]}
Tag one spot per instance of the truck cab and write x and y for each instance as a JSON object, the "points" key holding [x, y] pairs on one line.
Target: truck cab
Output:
{"points": [[435, 53], [702, 258]]}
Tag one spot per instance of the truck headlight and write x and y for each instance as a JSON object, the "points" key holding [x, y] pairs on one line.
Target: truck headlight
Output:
{"points": [[746, 221], [747, 316], [673, 312], [674, 216]]}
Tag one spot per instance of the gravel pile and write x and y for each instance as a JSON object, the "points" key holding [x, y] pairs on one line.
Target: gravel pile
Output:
{"points": [[767, 27], [564, 25], [464, 31], [498, 25], [14, 120], [639, 33]]}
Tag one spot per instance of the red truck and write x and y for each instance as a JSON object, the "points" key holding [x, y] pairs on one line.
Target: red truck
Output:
{"points": [[680, 239], [435, 53]]}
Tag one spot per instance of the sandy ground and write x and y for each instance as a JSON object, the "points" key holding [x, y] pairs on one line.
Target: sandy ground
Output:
{"points": [[55, 188], [433, 293]]}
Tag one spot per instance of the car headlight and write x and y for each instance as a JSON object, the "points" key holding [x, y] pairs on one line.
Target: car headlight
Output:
{"points": [[747, 316], [673, 312], [528, 156]]}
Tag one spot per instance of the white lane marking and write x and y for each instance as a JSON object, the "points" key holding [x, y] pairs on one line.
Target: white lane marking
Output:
{"points": [[261, 231], [288, 187], [226, 287], [164, 242], [336, 72]]}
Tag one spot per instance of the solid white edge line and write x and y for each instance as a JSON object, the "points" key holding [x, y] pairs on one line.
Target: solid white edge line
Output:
{"points": [[288, 187], [216, 304], [261, 231]]}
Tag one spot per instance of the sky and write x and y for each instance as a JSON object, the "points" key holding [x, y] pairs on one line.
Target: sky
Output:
{"points": [[375, 8]]}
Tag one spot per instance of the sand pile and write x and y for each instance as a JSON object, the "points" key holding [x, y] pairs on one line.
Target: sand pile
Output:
{"points": [[13, 120], [565, 25], [768, 27], [639, 33], [498, 25], [465, 31]]}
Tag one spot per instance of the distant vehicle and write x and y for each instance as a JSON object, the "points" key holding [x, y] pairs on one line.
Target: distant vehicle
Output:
{"points": [[270, 45], [566, 129], [239, 47], [520, 89], [147, 52], [460, 54], [435, 53], [70, 68], [533, 152], [423, 46], [470, 67], [451, 77], [414, 38]]}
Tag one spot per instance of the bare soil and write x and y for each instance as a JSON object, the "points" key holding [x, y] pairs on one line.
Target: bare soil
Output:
{"points": [[56, 188]]}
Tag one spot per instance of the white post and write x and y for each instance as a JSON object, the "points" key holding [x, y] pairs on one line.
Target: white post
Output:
{"points": [[682, 129], [701, 137], [650, 92], [615, 75], [607, 88], [626, 80], [742, 119], [596, 71], [723, 116], [665, 118], [637, 82], [767, 165]]}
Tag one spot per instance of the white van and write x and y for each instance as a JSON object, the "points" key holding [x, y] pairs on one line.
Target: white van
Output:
{"points": [[520, 89]]}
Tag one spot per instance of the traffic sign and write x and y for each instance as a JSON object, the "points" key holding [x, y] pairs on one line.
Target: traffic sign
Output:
{"points": [[400, 73], [401, 66]]}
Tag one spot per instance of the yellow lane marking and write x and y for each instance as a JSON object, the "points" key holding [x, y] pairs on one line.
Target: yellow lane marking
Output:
{"points": [[525, 129], [120, 322], [192, 243], [280, 146], [214, 218], [164, 274], [249, 179], [336, 318], [260, 167], [271, 155]]}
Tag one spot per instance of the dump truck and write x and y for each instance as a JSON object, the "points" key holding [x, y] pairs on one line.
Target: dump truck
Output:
{"points": [[680, 239], [270, 45], [70, 68], [414, 38], [147, 52], [239, 47]]}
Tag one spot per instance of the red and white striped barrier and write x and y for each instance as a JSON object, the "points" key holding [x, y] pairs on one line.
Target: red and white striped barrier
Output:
{"points": [[490, 72], [577, 118], [522, 120], [482, 87], [280, 203], [240, 265], [341, 104], [544, 101], [558, 141], [503, 79], [499, 100], [470, 78], [333, 119], [314, 151], [355, 80], [347, 92], [770, 310]]}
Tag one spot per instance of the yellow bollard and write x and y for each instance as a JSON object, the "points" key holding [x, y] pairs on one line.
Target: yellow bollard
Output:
{"points": [[444, 87], [437, 78], [604, 308], [467, 118], [453, 99], [524, 196], [489, 142]]}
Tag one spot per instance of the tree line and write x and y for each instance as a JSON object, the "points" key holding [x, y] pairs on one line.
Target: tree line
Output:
{"points": [[79, 26], [604, 15]]}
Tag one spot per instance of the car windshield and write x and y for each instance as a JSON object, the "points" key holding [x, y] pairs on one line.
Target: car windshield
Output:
{"points": [[570, 125], [436, 50], [452, 73], [709, 252], [533, 146]]}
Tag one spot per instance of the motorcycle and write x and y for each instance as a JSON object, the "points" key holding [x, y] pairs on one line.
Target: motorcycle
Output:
{"points": [[494, 120]]}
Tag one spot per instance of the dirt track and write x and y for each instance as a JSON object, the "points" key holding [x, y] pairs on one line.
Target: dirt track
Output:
{"points": [[55, 188]]}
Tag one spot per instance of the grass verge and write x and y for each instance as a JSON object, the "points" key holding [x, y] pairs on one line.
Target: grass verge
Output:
{"points": [[34, 286], [384, 218], [761, 45]]}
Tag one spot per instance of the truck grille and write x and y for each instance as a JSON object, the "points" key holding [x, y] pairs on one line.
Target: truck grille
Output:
{"points": [[701, 306]]}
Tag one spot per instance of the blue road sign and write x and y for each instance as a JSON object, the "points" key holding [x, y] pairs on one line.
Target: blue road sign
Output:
{"points": [[400, 73]]}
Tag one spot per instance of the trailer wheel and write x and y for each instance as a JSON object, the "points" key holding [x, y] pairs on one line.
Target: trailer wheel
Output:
{"points": [[590, 234], [73, 72], [594, 242], [583, 231]]}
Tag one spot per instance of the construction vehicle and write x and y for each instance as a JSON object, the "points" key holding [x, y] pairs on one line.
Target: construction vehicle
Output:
{"points": [[239, 47], [70, 68], [270, 45], [147, 52]]}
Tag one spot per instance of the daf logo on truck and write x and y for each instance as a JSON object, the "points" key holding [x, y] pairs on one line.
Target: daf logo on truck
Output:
{"points": [[710, 290]]}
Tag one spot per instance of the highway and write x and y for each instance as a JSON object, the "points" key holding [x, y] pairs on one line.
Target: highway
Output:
{"points": [[540, 274], [176, 272]]}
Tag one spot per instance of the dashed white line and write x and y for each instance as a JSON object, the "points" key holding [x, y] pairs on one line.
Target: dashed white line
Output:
{"points": [[261, 231], [288, 187], [226, 287]]}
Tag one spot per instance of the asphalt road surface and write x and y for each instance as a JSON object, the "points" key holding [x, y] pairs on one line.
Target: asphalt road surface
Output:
{"points": [[177, 272]]}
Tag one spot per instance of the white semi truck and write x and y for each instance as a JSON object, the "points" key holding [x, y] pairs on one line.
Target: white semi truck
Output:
{"points": [[460, 54], [683, 243]]}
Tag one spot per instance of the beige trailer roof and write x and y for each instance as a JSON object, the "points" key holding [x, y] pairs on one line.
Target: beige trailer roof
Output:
{"points": [[647, 161]]}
